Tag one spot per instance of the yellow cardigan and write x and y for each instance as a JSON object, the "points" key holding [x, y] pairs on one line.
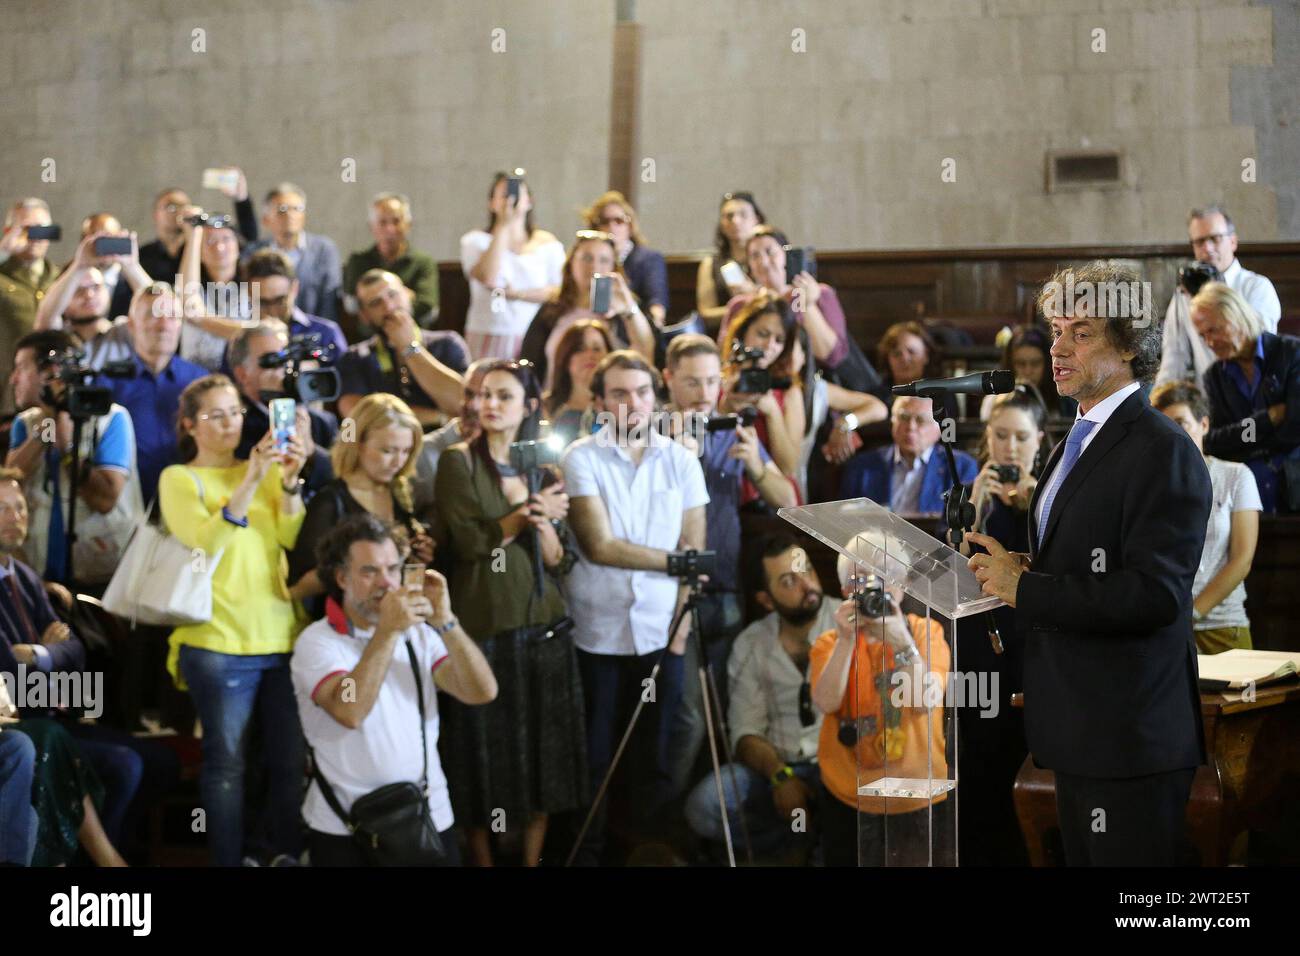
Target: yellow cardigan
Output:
{"points": [[252, 612]]}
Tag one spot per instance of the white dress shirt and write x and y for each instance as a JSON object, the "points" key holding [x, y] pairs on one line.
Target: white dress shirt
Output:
{"points": [[1183, 355], [615, 610], [1100, 413]]}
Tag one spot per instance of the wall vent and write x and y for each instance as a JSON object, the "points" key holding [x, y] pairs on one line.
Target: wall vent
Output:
{"points": [[1084, 169]]}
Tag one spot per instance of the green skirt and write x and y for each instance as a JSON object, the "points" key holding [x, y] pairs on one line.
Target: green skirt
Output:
{"points": [[62, 781]]}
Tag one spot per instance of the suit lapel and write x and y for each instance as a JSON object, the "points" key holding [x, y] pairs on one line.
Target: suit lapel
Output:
{"points": [[1116, 427]]}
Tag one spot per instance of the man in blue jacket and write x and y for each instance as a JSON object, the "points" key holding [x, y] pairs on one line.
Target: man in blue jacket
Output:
{"points": [[911, 475]]}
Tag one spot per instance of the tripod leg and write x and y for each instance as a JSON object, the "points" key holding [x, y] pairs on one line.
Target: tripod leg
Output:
{"points": [[712, 689], [717, 770]]}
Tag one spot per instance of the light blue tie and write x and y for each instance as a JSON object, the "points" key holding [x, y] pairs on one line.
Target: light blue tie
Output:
{"points": [[1073, 446]]}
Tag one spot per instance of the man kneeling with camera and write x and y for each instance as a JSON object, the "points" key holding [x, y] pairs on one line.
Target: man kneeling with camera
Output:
{"points": [[369, 712], [856, 671]]}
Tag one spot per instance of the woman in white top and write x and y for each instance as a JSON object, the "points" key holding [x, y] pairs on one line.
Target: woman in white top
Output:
{"points": [[1219, 591], [512, 268]]}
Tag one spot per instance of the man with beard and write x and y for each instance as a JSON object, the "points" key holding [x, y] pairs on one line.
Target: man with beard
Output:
{"points": [[774, 728]]}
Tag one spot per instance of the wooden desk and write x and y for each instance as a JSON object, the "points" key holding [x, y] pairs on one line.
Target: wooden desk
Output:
{"points": [[1252, 778]]}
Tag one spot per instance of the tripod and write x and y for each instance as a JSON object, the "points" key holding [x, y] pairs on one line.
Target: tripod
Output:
{"points": [[712, 710]]}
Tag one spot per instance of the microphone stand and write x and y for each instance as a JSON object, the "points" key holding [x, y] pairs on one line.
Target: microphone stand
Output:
{"points": [[958, 510]]}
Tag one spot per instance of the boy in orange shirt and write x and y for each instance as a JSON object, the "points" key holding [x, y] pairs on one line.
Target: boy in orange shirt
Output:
{"points": [[855, 670]]}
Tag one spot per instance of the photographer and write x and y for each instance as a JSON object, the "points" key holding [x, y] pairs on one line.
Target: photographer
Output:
{"points": [[525, 753], [108, 494], [356, 687], [1254, 392], [316, 430], [80, 298], [422, 368], [644, 268], [636, 497], [275, 290], [1183, 356], [753, 343], [855, 671], [737, 469], [217, 308], [26, 275]]}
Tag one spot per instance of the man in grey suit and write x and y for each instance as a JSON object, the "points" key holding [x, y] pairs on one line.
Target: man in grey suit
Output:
{"points": [[315, 258]]}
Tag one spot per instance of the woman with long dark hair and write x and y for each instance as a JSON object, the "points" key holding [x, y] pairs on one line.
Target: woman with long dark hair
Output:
{"points": [[579, 351], [738, 216], [1027, 353], [524, 754]]}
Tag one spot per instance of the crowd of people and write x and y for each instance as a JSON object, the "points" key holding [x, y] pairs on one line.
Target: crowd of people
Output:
{"points": [[462, 563]]}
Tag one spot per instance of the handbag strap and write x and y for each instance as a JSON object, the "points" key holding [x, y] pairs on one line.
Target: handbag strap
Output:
{"points": [[327, 791]]}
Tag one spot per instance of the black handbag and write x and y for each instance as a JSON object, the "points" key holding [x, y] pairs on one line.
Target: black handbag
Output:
{"points": [[392, 824]]}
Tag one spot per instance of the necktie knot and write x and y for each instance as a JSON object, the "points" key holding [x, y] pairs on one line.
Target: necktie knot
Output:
{"points": [[1079, 431]]}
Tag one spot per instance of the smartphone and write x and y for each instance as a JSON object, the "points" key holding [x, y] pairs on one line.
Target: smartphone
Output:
{"points": [[37, 233], [284, 418], [732, 274], [113, 246], [220, 177], [413, 577], [512, 188], [602, 290], [799, 259]]}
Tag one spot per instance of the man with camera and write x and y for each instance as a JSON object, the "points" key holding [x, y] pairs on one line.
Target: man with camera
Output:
{"points": [[869, 678], [366, 675], [314, 257], [421, 367], [258, 384], [910, 476], [1183, 356], [80, 300], [770, 716], [737, 472], [25, 277], [161, 259], [636, 498], [44, 380]]}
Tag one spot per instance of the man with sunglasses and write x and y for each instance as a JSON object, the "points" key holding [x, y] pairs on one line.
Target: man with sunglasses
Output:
{"points": [[770, 716], [315, 258], [1213, 235]]}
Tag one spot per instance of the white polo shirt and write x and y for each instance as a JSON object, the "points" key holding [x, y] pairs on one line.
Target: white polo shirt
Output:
{"points": [[617, 611], [386, 747]]}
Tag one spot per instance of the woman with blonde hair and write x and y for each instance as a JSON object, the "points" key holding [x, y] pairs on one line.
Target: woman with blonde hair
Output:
{"points": [[374, 460], [241, 515], [644, 268]]}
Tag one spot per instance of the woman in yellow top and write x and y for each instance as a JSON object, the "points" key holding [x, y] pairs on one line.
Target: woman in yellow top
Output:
{"points": [[236, 664]]}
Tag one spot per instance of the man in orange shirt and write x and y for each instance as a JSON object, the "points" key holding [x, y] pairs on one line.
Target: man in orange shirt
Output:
{"points": [[868, 678]]}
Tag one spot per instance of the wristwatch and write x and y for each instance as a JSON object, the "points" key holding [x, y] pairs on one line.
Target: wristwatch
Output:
{"points": [[415, 346], [782, 775], [848, 424], [441, 629]]}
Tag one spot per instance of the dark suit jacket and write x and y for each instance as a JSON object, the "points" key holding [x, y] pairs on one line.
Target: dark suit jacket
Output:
{"points": [[1105, 613], [870, 474], [1228, 407]]}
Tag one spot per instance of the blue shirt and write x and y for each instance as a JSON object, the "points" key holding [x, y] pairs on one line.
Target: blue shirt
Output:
{"points": [[724, 478], [153, 402], [1252, 393]]}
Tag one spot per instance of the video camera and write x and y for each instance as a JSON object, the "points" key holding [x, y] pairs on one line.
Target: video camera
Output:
{"points": [[690, 565], [1194, 275], [753, 380], [208, 222], [79, 398], [314, 385], [527, 456]]}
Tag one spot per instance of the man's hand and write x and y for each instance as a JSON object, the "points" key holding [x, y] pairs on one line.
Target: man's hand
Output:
{"points": [[841, 446], [24, 653], [400, 610], [60, 593], [238, 192], [438, 595], [400, 330], [791, 795], [846, 621], [998, 572], [746, 449], [14, 239], [1277, 413], [552, 503], [56, 633]]}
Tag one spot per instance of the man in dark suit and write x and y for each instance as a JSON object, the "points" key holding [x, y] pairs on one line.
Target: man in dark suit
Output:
{"points": [[911, 475], [1104, 598]]}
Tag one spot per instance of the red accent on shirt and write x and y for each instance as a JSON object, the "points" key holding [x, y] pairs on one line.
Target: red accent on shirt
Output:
{"points": [[315, 690]]}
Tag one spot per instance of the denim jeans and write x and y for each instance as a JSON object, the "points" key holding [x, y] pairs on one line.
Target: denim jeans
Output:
{"points": [[17, 818], [228, 690], [767, 831], [721, 619]]}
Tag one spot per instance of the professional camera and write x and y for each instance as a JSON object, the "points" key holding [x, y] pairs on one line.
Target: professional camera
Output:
{"points": [[754, 380], [314, 385], [79, 398], [526, 456], [1195, 274], [690, 565], [872, 599], [208, 222], [726, 423]]}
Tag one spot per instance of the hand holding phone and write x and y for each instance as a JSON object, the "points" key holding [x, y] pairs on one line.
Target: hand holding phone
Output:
{"points": [[284, 419], [52, 233], [113, 246], [602, 291]]}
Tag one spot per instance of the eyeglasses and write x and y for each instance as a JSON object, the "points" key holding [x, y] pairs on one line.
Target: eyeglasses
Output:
{"points": [[219, 417], [290, 207], [1214, 237], [806, 716]]}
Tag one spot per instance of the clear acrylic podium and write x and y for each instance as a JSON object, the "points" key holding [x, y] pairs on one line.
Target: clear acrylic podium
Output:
{"points": [[896, 750]]}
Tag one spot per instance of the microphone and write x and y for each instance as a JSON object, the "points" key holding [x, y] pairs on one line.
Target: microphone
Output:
{"points": [[997, 382]]}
